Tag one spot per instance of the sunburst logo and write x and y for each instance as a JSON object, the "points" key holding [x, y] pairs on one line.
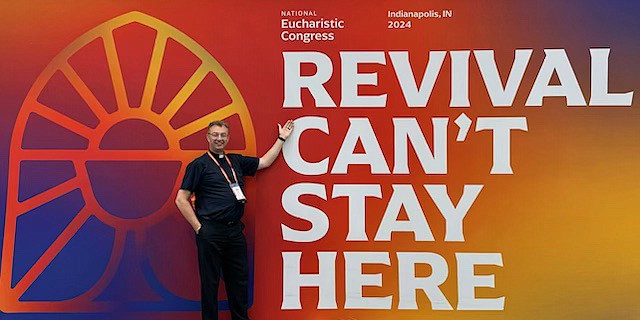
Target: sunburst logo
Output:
{"points": [[94, 163]]}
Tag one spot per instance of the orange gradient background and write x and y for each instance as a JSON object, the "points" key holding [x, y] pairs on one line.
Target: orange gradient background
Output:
{"points": [[565, 222]]}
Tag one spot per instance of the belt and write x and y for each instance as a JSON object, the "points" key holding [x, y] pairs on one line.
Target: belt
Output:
{"points": [[224, 222]]}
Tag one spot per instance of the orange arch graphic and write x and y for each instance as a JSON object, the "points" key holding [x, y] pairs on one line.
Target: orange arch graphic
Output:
{"points": [[10, 301]]}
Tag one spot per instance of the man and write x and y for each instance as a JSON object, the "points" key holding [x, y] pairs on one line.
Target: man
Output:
{"points": [[217, 180]]}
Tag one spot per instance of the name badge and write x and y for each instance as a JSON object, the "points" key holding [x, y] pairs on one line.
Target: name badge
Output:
{"points": [[235, 187]]}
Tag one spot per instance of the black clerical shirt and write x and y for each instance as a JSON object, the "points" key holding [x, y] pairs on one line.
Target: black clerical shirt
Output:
{"points": [[214, 197]]}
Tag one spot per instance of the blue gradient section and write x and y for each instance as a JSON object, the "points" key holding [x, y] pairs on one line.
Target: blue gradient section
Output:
{"points": [[77, 266], [128, 285], [170, 300], [38, 228], [42, 133], [38, 176]]}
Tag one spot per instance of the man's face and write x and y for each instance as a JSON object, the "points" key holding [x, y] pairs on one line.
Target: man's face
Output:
{"points": [[217, 137]]}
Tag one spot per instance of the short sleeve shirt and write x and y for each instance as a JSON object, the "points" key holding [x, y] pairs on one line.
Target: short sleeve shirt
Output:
{"points": [[214, 197]]}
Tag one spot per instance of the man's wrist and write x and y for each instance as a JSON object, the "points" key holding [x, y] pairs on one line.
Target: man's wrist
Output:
{"points": [[281, 138], [198, 228]]}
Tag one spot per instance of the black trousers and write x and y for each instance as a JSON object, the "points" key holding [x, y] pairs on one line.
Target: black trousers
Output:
{"points": [[222, 250]]}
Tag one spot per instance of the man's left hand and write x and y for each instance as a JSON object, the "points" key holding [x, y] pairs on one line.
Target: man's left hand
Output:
{"points": [[285, 131]]}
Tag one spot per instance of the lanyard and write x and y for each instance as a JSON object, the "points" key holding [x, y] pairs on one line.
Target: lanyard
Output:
{"points": [[223, 172]]}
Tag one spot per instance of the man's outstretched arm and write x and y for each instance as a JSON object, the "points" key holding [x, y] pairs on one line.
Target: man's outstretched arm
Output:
{"points": [[270, 156]]}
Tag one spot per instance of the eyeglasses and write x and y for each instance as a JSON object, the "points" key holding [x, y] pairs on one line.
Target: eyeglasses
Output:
{"points": [[218, 135]]}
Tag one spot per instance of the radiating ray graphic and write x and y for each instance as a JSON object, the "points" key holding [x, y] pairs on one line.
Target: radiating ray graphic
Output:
{"points": [[186, 90], [61, 119], [46, 196], [154, 71], [115, 70], [84, 91], [197, 125]]}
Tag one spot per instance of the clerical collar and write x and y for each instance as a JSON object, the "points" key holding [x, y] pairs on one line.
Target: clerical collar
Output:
{"points": [[219, 156]]}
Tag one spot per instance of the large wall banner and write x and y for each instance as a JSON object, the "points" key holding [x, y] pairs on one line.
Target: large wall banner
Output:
{"points": [[470, 160]]}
